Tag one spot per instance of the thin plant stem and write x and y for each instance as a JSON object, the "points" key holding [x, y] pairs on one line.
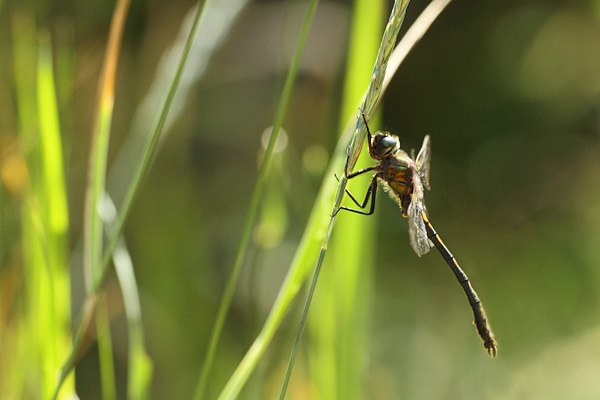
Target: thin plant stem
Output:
{"points": [[86, 314], [149, 148], [139, 365], [105, 350], [311, 291], [373, 95], [256, 197], [92, 253]]}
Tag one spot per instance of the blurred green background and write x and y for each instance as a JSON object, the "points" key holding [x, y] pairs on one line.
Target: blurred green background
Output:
{"points": [[509, 92]]}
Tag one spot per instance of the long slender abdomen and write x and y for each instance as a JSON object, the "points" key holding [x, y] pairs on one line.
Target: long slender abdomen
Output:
{"points": [[480, 319]]}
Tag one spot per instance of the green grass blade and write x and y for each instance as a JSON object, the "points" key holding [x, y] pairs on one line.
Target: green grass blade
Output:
{"points": [[105, 350], [337, 323], [51, 144], [374, 91], [256, 197], [139, 173], [85, 316], [210, 37], [300, 267], [149, 149], [139, 363], [412, 36], [353, 246], [51, 195], [93, 229]]}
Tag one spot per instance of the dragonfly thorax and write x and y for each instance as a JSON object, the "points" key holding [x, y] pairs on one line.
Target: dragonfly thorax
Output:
{"points": [[383, 144]]}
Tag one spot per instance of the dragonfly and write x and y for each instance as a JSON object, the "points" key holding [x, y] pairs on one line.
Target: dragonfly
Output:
{"points": [[404, 179]]}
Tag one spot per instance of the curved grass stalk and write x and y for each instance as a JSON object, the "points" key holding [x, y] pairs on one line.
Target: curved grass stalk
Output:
{"points": [[338, 322], [105, 350], [373, 95], [92, 240], [139, 369], [316, 233], [139, 365], [93, 229], [220, 19], [149, 148], [85, 316], [255, 200]]}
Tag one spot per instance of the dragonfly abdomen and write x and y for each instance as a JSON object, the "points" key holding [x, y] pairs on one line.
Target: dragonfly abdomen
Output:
{"points": [[480, 318]]}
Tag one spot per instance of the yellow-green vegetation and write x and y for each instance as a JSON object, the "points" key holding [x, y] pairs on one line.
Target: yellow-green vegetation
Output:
{"points": [[158, 241]]}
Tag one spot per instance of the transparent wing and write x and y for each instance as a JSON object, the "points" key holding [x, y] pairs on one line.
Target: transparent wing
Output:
{"points": [[416, 227], [423, 160]]}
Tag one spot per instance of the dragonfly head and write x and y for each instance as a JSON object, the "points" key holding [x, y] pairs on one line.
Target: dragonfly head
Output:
{"points": [[383, 144]]}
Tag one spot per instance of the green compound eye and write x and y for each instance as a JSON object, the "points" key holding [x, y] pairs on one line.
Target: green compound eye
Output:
{"points": [[389, 141]]}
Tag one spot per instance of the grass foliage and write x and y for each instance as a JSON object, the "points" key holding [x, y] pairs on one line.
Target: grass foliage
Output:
{"points": [[63, 307], [45, 224]]}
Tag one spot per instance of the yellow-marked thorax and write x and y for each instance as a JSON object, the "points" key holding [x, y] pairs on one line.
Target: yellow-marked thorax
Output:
{"points": [[397, 172]]}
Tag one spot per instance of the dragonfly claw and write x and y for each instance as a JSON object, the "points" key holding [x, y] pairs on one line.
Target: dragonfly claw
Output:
{"points": [[491, 347]]}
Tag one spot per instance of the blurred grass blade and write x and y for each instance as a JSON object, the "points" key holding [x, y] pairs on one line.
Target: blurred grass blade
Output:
{"points": [[305, 257], [139, 173], [42, 336], [412, 36], [51, 146], [50, 194], [93, 229], [81, 323], [139, 363], [375, 89], [256, 197], [92, 248], [105, 350], [219, 21], [147, 153], [338, 320]]}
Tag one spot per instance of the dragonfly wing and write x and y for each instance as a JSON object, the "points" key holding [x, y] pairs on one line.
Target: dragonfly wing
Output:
{"points": [[416, 227], [423, 161]]}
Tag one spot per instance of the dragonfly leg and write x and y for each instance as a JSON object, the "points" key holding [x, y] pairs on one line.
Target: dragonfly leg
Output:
{"points": [[369, 142], [366, 125], [360, 171], [372, 191], [371, 195]]}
